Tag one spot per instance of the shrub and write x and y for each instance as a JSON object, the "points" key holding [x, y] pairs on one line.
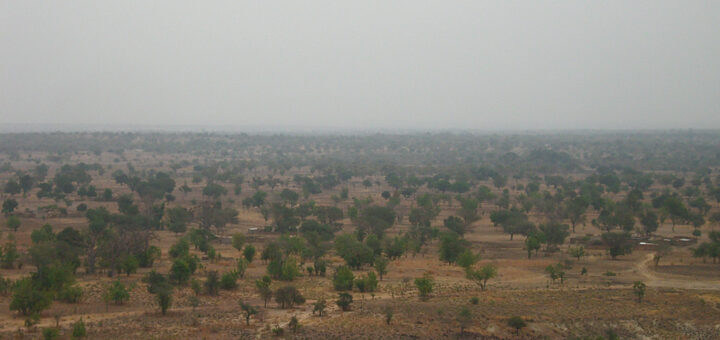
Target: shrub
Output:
{"points": [[50, 333], [344, 301], [13, 222], [117, 293], [212, 283], [29, 299], [229, 280], [238, 240], [78, 330], [71, 294], [343, 278], [196, 286], [249, 253], [294, 324], [164, 299], [425, 285], [288, 297], [517, 323], [242, 265], [180, 249], [474, 300], [319, 307], [180, 272]]}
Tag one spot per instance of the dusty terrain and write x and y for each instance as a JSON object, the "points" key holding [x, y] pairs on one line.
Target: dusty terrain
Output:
{"points": [[682, 300]]}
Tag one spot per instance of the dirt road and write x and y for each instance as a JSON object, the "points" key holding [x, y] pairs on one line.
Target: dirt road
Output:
{"points": [[653, 279]]}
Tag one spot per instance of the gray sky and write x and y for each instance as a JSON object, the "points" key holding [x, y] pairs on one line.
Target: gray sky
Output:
{"points": [[366, 64]]}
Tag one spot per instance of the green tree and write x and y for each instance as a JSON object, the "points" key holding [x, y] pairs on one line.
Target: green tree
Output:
{"points": [[532, 244], [618, 243], [451, 246], [249, 253], [554, 234], [467, 259], [212, 283], [263, 287], [178, 218], [455, 224], [288, 296], [214, 190], [482, 275], [117, 293], [516, 322], [78, 329], [649, 220], [29, 299], [575, 209], [9, 206], [380, 266], [319, 307], [180, 271], [354, 252], [249, 311], [12, 187], [228, 281], [164, 300], [577, 252], [238, 240]]}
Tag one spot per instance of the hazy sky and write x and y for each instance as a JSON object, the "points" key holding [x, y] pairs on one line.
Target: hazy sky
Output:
{"points": [[363, 64]]}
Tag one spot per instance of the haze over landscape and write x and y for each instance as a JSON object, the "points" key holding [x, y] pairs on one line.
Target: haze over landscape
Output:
{"points": [[424, 65], [359, 170]]}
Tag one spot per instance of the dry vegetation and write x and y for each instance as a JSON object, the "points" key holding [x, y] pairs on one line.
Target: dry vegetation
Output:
{"points": [[595, 299]]}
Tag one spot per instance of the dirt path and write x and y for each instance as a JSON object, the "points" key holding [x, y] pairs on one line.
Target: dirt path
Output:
{"points": [[652, 279]]}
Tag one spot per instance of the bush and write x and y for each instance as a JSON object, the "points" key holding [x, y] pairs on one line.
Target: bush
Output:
{"points": [[5, 286], [242, 265], [180, 249], [238, 240], [117, 293], [367, 283], [180, 272], [289, 270], [229, 280], [212, 283], [28, 299], [196, 287], [164, 300], [249, 253], [82, 207], [71, 294], [517, 323], [78, 330], [288, 297], [474, 300], [344, 301], [50, 333], [343, 278], [130, 264], [425, 285]]}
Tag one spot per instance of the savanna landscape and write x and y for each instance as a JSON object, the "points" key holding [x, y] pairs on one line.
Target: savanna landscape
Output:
{"points": [[184, 235]]}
